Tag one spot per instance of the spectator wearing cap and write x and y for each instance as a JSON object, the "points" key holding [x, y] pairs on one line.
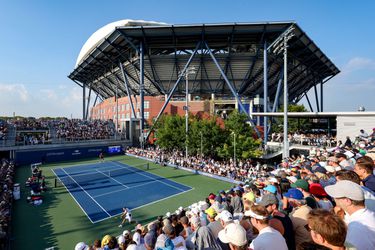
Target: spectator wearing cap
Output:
{"points": [[320, 196], [279, 221], [234, 235], [333, 161], [368, 194], [202, 237], [365, 172], [213, 225], [303, 186], [299, 215], [81, 246], [268, 238], [361, 221], [343, 162], [327, 229]]}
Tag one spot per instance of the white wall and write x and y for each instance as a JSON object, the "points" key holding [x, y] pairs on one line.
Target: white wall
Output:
{"points": [[350, 126]]}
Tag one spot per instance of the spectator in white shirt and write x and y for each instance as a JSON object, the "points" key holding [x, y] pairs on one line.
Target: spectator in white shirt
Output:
{"points": [[349, 197]]}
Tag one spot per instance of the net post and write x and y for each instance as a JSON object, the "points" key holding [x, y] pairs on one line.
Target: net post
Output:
{"points": [[55, 182]]}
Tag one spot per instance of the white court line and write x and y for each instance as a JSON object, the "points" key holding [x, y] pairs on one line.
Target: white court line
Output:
{"points": [[112, 178], [87, 193], [123, 189], [144, 205], [123, 166], [72, 195]]}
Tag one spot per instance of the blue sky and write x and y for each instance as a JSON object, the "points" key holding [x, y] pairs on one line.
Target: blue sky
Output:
{"points": [[40, 41]]}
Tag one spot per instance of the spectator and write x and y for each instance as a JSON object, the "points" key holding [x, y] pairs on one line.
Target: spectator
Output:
{"points": [[368, 194], [213, 225], [178, 242], [268, 238], [365, 172], [279, 221], [303, 186], [327, 229], [298, 215], [81, 246], [361, 221], [234, 235], [320, 196]]}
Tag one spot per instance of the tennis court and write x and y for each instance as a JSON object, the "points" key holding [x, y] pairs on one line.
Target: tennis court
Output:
{"points": [[103, 189]]}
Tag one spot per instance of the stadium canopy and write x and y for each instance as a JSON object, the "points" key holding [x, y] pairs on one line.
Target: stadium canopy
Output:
{"points": [[238, 48], [135, 57]]}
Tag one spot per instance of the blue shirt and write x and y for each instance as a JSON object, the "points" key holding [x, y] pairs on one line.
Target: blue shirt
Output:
{"points": [[369, 182]]}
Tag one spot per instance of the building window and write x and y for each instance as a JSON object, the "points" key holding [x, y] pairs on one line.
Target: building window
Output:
{"points": [[147, 104], [127, 115], [147, 115], [122, 116], [127, 106], [123, 107]]}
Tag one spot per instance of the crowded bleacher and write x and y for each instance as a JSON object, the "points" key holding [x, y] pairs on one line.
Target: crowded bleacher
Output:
{"points": [[324, 200], [3, 130], [6, 187], [31, 131]]}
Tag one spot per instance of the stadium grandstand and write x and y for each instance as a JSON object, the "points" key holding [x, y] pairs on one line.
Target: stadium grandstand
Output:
{"points": [[95, 182]]}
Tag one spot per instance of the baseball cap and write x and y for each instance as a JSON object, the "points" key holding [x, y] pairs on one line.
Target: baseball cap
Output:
{"points": [[211, 196], [271, 189], [347, 189], [317, 189], [81, 246], [211, 212], [268, 199], [233, 233], [320, 169], [125, 233], [301, 184], [294, 194], [225, 215]]}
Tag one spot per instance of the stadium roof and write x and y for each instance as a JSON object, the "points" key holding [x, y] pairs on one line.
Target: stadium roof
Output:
{"points": [[238, 47]]}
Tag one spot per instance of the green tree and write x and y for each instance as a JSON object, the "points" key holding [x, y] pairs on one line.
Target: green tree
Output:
{"points": [[170, 132], [238, 129]]}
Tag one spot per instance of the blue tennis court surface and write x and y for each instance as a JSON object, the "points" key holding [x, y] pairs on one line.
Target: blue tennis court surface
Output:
{"points": [[103, 189]]}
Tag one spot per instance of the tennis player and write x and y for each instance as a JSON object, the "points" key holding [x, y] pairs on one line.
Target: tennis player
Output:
{"points": [[126, 215], [101, 157]]}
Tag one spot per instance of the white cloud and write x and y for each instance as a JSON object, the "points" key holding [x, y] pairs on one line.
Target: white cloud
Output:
{"points": [[49, 93], [358, 63], [14, 90]]}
